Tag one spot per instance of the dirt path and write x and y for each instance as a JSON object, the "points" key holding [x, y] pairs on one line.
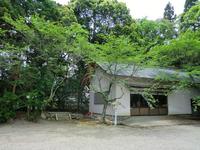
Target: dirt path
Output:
{"points": [[61, 135]]}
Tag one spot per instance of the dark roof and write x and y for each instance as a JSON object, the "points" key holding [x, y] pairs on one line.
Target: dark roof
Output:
{"points": [[130, 70]]}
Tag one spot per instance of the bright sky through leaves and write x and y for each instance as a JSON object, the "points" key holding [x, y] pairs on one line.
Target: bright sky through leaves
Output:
{"points": [[152, 9]]}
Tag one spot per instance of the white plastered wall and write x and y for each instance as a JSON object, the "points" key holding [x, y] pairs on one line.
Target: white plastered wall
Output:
{"points": [[123, 109], [104, 83], [179, 101], [117, 91]]}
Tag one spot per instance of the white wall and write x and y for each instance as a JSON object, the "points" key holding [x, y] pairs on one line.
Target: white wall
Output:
{"points": [[123, 109], [98, 108], [179, 101], [95, 86]]}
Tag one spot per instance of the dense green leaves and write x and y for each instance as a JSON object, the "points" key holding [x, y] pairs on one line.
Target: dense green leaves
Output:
{"points": [[191, 19], [116, 49], [100, 16], [39, 63], [145, 34], [196, 103], [67, 15], [182, 53], [9, 104], [26, 8]]}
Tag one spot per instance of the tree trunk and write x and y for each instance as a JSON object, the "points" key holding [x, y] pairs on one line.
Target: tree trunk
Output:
{"points": [[28, 113], [78, 103], [81, 75], [14, 88], [15, 77], [54, 89], [104, 112]]}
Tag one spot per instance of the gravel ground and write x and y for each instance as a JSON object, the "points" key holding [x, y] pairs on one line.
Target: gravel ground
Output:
{"points": [[63, 135]]}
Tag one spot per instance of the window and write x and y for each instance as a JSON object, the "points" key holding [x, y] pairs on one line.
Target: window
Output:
{"points": [[98, 99], [138, 101], [139, 106]]}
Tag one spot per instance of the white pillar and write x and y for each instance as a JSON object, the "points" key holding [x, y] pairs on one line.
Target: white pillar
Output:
{"points": [[115, 123]]}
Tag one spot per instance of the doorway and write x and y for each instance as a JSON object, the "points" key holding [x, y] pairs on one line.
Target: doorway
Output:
{"points": [[139, 106]]}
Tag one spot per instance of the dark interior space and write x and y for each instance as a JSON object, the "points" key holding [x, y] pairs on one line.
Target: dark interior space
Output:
{"points": [[139, 105]]}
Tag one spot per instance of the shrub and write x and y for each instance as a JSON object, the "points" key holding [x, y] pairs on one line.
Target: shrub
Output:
{"points": [[9, 104], [35, 104], [196, 103]]}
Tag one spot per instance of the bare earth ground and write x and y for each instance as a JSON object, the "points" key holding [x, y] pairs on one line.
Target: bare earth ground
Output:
{"points": [[63, 135]]}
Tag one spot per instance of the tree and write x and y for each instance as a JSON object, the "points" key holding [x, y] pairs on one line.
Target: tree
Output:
{"points": [[100, 16], [189, 4], [182, 53], [190, 19], [32, 63], [169, 13], [67, 16], [42, 60], [27, 8], [111, 55], [145, 34]]}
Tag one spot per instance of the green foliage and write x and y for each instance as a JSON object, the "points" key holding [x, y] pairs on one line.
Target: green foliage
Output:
{"points": [[182, 53], [191, 19], [35, 100], [151, 101], [35, 104], [116, 50], [189, 4], [145, 34], [9, 104], [67, 16], [40, 60], [100, 16], [196, 103], [18, 8]]}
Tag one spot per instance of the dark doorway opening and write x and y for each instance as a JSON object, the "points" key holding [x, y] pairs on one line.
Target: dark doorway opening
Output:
{"points": [[139, 106]]}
